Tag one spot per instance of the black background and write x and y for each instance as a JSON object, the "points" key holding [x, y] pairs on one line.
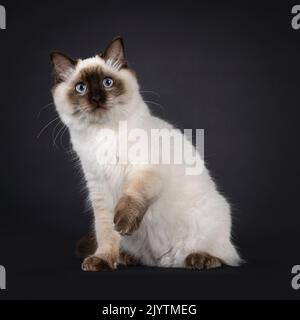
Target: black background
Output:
{"points": [[230, 68]]}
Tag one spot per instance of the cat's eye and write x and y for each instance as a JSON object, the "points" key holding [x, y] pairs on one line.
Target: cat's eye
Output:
{"points": [[108, 82], [81, 88]]}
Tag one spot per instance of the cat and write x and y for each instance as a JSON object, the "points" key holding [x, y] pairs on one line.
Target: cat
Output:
{"points": [[154, 215]]}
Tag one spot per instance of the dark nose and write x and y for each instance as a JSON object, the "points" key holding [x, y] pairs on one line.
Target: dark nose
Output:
{"points": [[96, 98]]}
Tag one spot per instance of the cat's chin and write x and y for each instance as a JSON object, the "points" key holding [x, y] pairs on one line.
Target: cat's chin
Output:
{"points": [[97, 115], [99, 112], [96, 112]]}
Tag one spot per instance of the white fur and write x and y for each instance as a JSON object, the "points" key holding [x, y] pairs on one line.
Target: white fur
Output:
{"points": [[189, 214]]}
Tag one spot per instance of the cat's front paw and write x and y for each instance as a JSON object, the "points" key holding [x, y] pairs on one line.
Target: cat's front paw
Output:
{"points": [[128, 216], [125, 223], [96, 264]]}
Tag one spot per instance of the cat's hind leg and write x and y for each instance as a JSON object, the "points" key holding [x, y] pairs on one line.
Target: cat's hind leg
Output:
{"points": [[202, 260], [86, 246], [127, 259]]}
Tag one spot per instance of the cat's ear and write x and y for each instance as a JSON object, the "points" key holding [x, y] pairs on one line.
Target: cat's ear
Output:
{"points": [[114, 54], [63, 66]]}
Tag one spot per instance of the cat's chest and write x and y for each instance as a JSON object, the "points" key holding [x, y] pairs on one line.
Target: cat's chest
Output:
{"points": [[99, 157]]}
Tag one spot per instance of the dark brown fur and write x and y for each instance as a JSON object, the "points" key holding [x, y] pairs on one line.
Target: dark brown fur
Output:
{"points": [[60, 61], [93, 78], [86, 246], [127, 259], [116, 49], [94, 263], [202, 260], [129, 214], [98, 98]]}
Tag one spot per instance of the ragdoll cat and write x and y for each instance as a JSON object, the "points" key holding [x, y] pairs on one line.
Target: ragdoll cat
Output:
{"points": [[155, 215]]}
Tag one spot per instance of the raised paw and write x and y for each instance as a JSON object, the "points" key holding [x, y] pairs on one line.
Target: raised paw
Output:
{"points": [[126, 224], [202, 260], [96, 264], [128, 216]]}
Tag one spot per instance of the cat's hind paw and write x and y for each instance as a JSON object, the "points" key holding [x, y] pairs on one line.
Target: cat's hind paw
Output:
{"points": [[127, 259], [86, 246], [202, 260]]}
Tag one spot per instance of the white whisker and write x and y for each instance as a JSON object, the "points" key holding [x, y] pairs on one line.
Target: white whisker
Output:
{"points": [[61, 137], [59, 131], [46, 126], [54, 130], [43, 108], [153, 92], [156, 104]]}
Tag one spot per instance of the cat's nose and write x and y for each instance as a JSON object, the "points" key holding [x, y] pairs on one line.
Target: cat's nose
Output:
{"points": [[96, 98]]}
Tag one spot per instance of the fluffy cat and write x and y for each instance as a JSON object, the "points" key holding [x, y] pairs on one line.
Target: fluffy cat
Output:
{"points": [[155, 215]]}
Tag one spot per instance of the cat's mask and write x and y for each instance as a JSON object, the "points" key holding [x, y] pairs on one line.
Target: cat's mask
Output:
{"points": [[96, 84]]}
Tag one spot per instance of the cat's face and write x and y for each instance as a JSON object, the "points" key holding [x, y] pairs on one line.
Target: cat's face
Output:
{"points": [[96, 88]]}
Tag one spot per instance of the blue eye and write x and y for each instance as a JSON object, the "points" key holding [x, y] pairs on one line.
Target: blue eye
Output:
{"points": [[108, 82], [81, 88]]}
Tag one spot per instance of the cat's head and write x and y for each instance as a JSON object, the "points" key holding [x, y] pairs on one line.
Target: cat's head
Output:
{"points": [[94, 89]]}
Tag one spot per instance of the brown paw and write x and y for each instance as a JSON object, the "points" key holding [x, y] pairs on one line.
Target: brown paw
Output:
{"points": [[86, 246], [94, 263], [127, 259], [202, 260], [128, 215], [126, 224]]}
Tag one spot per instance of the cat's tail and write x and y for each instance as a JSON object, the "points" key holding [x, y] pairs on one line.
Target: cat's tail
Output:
{"points": [[86, 246], [231, 256]]}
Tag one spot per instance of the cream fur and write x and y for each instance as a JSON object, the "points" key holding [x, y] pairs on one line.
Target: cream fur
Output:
{"points": [[187, 214]]}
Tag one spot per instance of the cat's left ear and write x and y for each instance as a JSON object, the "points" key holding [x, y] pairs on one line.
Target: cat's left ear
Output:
{"points": [[114, 53]]}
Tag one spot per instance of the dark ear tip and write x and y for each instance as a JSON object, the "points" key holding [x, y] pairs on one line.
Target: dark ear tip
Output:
{"points": [[54, 54], [118, 38], [51, 54]]}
